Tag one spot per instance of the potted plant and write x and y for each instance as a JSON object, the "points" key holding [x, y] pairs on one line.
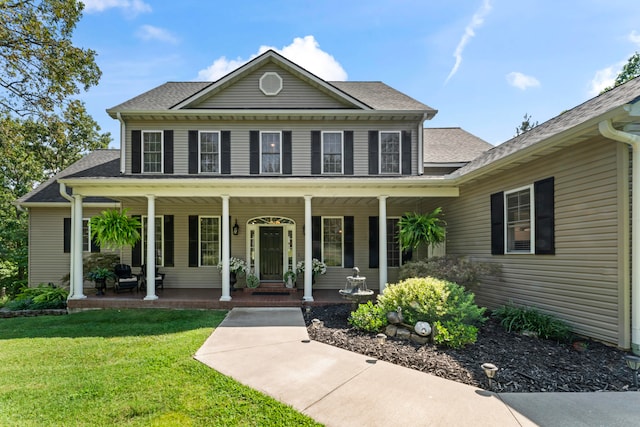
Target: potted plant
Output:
{"points": [[252, 281], [237, 268], [417, 229], [317, 268], [100, 275], [289, 278]]}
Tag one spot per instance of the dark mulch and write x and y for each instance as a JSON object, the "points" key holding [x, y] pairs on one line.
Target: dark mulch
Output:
{"points": [[526, 364]]}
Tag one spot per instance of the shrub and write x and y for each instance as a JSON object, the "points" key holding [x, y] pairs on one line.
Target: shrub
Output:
{"points": [[453, 334], [450, 268], [518, 319], [369, 317], [41, 297]]}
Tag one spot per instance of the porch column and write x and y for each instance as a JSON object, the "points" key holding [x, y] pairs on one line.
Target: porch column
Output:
{"points": [[308, 251], [382, 249], [226, 285], [151, 248], [76, 249]]}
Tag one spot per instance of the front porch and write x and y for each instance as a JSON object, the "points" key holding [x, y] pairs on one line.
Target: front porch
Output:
{"points": [[202, 299]]}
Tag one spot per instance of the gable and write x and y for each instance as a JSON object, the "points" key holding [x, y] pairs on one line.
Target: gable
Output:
{"points": [[294, 93]]}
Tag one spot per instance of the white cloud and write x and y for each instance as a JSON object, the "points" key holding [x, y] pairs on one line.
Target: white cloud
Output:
{"points": [[522, 81], [304, 51], [604, 78], [132, 7], [476, 22], [634, 37], [149, 32]]}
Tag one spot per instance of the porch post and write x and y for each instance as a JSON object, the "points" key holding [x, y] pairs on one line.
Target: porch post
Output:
{"points": [[308, 251], [151, 248], [382, 249], [226, 294], [76, 249]]}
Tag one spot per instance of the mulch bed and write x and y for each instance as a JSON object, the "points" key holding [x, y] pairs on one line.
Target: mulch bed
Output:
{"points": [[526, 364]]}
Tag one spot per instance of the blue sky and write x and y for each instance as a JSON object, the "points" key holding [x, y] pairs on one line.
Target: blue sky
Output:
{"points": [[482, 64]]}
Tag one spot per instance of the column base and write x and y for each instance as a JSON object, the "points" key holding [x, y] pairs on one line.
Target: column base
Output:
{"points": [[150, 298], [308, 299], [81, 296], [223, 298]]}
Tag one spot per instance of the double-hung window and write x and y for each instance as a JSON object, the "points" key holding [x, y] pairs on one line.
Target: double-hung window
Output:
{"points": [[394, 255], [86, 236], [152, 151], [209, 244], [159, 240], [332, 241], [270, 152], [390, 152], [519, 212], [332, 149], [209, 147]]}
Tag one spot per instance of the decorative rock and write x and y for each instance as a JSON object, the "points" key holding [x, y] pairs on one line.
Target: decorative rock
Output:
{"points": [[419, 339], [391, 330], [423, 329], [403, 334]]}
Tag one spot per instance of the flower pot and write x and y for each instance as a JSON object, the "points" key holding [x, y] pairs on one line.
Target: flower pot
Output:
{"points": [[101, 285], [232, 278]]}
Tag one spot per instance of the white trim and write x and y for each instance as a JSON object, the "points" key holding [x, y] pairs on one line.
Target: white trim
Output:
{"points": [[322, 134], [161, 151], [532, 231], [399, 152], [159, 218], [88, 242], [200, 239], [397, 246], [254, 225], [341, 218], [279, 132], [219, 165], [270, 74]]}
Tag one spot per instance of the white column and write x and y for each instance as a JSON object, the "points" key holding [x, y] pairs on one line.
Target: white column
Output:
{"points": [[72, 244], [382, 249], [76, 249], [226, 284], [308, 251], [151, 248]]}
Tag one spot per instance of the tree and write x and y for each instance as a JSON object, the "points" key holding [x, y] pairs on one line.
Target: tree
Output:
{"points": [[630, 71], [526, 125], [40, 68]]}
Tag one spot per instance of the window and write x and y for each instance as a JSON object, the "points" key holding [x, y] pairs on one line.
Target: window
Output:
{"points": [[159, 238], [270, 152], [390, 152], [209, 152], [209, 245], [86, 236], [332, 242], [518, 209], [152, 151], [394, 255], [332, 152]]}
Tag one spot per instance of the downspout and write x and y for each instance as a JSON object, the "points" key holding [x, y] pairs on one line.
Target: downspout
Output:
{"points": [[122, 142], [63, 193], [608, 131]]}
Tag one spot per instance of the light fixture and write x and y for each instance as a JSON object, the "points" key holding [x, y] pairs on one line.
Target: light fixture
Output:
{"points": [[382, 338], [236, 228], [633, 362], [490, 371]]}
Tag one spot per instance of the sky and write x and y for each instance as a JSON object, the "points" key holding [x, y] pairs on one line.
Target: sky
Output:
{"points": [[483, 64]]}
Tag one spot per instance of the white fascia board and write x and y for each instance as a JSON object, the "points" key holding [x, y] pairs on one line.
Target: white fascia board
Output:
{"points": [[67, 204], [285, 113]]}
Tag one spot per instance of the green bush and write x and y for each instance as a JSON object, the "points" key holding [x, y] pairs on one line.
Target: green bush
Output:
{"points": [[369, 317], [450, 268], [518, 319], [39, 298], [453, 334], [13, 287]]}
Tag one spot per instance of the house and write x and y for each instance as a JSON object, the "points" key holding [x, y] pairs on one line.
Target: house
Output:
{"points": [[313, 169]]}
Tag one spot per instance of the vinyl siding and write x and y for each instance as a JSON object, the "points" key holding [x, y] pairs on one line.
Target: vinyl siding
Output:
{"points": [[584, 282]]}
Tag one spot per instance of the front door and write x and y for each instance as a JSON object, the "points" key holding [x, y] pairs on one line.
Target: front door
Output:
{"points": [[271, 253]]}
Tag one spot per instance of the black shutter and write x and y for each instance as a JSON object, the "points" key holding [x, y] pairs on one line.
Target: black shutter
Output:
{"points": [[193, 240], [373, 152], [405, 142], [316, 237], [497, 224], [225, 151], [286, 152], [67, 235], [254, 152], [193, 152], [544, 216], [348, 242], [136, 250], [136, 151], [168, 151], [406, 254], [95, 246], [168, 241], [374, 239], [348, 152], [316, 153]]}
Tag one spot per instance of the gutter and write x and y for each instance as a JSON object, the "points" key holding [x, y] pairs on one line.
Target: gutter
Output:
{"points": [[122, 142], [63, 193], [608, 131]]}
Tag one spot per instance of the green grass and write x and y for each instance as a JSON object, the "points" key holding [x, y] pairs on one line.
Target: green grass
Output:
{"points": [[125, 368]]}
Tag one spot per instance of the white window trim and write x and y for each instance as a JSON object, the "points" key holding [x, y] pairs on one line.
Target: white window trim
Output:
{"points": [[200, 151], [88, 241], [161, 151], [398, 245], [532, 222], [380, 152], [341, 239], [341, 151], [261, 170], [143, 236], [200, 239]]}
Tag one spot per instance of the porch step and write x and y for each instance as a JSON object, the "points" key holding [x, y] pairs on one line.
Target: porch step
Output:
{"points": [[270, 288]]}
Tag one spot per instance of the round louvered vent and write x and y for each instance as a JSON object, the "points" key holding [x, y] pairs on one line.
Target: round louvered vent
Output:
{"points": [[270, 83]]}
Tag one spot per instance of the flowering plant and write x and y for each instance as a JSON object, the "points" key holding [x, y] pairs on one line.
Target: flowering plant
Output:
{"points": [[236, 265], [317, 267]]}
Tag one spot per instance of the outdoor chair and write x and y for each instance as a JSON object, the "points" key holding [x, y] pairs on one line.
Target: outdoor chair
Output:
{"points": [[125, 281], [143, 278]]}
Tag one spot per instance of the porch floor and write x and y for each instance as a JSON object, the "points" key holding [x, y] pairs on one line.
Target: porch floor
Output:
{"points": [[192, 298]]}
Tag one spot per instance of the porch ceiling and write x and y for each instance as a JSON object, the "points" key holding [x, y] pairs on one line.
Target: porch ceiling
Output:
{"points": [[279, 201]]}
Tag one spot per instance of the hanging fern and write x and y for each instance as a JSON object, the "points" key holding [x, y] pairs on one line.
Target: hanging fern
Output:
{"points": [[416, 228], [113, 229]]}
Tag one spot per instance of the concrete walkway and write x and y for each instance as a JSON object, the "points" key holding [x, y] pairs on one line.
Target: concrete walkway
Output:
{"points": [[268, 349]]}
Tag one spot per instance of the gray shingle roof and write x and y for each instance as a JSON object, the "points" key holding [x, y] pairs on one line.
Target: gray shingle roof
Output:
{"points": [[162, 97], [452, 145], [380, 96]]}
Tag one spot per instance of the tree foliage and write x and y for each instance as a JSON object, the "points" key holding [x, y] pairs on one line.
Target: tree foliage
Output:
{"points": [[630, 71], [526, 125]]}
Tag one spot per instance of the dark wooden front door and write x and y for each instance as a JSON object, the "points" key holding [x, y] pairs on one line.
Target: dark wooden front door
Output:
{"points": [[271, 253]]}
